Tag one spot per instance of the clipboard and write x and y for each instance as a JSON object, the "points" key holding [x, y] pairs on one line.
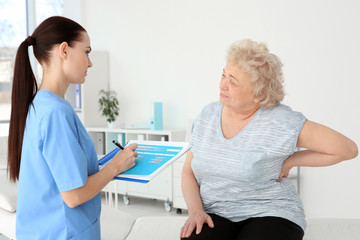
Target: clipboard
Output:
{"points": [[153, 157]]}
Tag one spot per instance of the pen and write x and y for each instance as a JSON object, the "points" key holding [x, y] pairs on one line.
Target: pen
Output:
{"points": [[118, 144]]}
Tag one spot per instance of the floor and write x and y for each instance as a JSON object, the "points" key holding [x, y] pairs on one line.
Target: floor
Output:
{"points": [[139, 207]]}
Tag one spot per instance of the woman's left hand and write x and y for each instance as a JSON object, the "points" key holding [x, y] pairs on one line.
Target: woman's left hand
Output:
{"points": [[286, 167]]}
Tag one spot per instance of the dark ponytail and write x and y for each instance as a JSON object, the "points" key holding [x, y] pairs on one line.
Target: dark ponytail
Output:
{"points": [[50, 32]]}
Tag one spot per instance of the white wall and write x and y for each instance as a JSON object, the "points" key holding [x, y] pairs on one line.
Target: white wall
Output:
{"points": [[174, 51]]}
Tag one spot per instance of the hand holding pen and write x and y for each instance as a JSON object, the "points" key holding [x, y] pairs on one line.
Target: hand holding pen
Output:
{"points": [[124, 159], [121, 147]]}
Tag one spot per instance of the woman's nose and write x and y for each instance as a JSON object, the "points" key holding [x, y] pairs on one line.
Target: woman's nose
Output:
{"points": [[224, 83]]}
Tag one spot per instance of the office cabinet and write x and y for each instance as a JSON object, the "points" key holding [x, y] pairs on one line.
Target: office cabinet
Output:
{"points": [[178, 198]]}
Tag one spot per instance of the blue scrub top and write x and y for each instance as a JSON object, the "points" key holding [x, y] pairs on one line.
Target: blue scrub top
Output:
{"points": [[57, 156]]}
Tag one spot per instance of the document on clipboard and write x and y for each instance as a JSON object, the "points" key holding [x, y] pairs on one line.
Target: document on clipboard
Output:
{"points": [[153, 157]]}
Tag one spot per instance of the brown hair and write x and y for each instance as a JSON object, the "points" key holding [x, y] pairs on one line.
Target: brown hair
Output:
{"points": [[50, 32]]}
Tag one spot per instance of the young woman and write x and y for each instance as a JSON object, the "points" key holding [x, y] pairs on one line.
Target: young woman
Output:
{"points": [[50, 152]]}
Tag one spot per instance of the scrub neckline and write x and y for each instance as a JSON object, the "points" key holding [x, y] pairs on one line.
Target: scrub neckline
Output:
{"points": [[52, 94]]}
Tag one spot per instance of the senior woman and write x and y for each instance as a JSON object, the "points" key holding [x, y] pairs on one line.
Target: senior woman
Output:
{"points": [[242, 149]]}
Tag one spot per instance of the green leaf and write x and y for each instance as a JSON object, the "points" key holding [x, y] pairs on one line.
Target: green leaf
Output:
{"points": [[108, 104]]}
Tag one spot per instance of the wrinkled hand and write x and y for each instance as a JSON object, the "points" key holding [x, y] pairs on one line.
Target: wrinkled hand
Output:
{"points": [[125, 159], [287, 166], [197, 220]]}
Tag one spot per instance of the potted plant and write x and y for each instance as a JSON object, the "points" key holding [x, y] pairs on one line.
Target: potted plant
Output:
{"points": [[109, 105]]}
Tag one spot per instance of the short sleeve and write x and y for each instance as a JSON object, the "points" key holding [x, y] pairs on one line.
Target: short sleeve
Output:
{"points": [[299, 120], [62, 151], [192, 129], [210, 111], [289, 122]]}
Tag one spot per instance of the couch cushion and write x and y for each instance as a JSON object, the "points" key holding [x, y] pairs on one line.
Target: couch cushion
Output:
{"points": [[8, 192], [115, 225], [7, 224], [157, 228], [334, 229]]}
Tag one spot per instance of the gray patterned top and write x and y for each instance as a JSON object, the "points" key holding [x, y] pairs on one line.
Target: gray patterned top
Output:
{"points": [[237, 176]]}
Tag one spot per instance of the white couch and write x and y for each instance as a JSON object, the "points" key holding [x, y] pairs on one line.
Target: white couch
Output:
{"points": [[168, 228], [8, 192], [126, 227], [117, 225]]}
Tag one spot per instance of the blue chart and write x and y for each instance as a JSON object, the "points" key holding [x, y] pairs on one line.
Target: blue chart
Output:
{"points": [[151, 157]]}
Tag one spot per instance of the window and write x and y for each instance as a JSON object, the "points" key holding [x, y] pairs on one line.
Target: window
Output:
{"points": [[13, 31], [45, 9], [48, 8], [14, 28]]}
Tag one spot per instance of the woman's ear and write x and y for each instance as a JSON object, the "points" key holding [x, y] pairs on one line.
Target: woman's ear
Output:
{"points": [[63, 50]]}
